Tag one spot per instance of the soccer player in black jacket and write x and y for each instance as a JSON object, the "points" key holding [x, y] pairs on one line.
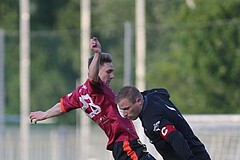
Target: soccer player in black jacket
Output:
{"points": [[163, 124]]}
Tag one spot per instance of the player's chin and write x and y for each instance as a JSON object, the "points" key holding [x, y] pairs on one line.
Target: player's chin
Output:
{"points": [[132, 118]]}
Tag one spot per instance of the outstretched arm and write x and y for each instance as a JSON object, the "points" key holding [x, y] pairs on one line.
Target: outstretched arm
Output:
{"points": [[41, 115], [95, 46]]}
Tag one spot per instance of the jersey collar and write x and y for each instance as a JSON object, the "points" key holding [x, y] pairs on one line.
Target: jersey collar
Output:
{"points": [[144, 106]]}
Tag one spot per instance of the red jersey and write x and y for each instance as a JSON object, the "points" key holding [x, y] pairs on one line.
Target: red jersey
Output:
{"points": [[96, 99]]}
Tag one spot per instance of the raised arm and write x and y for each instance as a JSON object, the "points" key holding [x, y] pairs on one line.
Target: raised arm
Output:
{"points": [[41, 115], [95, 46]]}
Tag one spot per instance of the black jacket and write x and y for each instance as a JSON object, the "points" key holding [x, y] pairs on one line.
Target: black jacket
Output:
{"points": [[167, 130]]}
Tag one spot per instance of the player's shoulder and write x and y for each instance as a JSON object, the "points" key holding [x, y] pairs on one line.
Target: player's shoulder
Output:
{"points": [[156, 91]]}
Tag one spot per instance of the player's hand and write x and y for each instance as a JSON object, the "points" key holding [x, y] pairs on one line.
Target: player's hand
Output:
{"points": [[37, 116], [95, 45]]}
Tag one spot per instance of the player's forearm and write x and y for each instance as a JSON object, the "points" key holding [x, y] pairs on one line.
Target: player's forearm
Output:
{"points": [[95, 46], [40, 115], [180, 145], [94, 67], [54, 111]]}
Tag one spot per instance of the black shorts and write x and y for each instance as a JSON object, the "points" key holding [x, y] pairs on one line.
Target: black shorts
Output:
{"points": [[131, 150]]}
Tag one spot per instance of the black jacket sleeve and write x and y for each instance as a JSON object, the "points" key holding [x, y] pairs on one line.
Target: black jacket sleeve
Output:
{"points": [[179, 144]]}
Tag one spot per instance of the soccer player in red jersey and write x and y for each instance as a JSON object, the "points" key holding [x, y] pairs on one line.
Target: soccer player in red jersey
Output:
{"points": [[96, 99]]}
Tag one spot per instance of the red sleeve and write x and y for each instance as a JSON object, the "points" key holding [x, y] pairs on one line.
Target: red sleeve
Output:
{"points": [[70, 101], [62, 106]]}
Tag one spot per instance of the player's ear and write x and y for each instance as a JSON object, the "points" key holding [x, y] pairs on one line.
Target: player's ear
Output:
{"points": [[139, 101]]}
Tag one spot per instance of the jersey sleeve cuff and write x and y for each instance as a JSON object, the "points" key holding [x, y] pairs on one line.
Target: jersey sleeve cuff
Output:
{"points": [[62, 106]]}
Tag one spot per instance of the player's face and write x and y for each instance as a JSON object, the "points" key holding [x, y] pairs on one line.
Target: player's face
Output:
{"points": [[106, 72], [130, 110]]}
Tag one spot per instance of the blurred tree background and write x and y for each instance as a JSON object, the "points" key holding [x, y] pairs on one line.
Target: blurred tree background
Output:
{"points": [[192, 50]]}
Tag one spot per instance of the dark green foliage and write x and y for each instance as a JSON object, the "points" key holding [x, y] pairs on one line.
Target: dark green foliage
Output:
{"points": [[192, 51]]}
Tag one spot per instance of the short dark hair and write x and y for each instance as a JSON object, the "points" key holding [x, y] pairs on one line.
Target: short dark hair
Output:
{"points": [[129, 92], [105, 58]]}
